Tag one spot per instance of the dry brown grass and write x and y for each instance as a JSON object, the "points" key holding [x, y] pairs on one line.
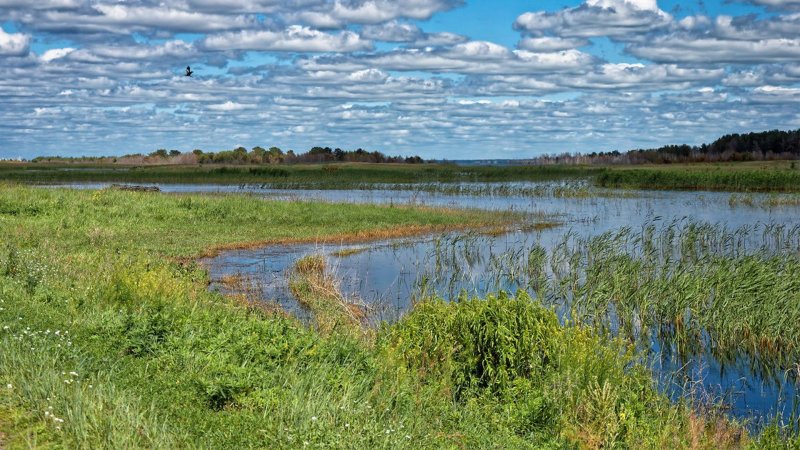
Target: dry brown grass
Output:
{"points": [[365, 236], [318, 291], [714, 431]]}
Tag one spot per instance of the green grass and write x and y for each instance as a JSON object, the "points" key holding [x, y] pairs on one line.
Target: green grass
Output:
{"points": [[761, 177], [340, 175], [739, 176], [185, 226], [113, 341]]}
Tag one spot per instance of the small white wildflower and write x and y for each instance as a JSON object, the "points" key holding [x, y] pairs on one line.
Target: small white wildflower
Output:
{"points": [[74, 374], [313, 418], [10, 386], [347, 425]]}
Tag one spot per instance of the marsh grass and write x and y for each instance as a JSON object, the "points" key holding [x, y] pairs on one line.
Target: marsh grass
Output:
{"points": [[700, 288], [443, 178], [711, 177], [562, 188], [111, 324], [344, 175], [763, 201]]}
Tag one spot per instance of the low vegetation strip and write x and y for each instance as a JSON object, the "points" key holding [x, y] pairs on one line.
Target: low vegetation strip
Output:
{"points": [[724, 177], [776, 176], [110, 341], [328, 175]]}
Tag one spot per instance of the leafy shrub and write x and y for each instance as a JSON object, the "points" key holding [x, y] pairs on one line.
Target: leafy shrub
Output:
{"points": [[482, 345]]}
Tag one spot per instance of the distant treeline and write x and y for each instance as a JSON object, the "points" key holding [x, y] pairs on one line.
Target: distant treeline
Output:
{"points": [[767, 145], [240, 155]]}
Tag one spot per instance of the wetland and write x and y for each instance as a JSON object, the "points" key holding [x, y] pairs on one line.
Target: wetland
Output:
{"points": [[545, 312]]}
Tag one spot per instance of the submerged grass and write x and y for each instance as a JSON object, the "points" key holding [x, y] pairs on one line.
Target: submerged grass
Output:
{"points": [[764, 201], [110, 341]]}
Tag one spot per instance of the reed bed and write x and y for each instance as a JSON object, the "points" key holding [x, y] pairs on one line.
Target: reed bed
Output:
{"points": [[548, 189], [730, 177], [701, 287]]}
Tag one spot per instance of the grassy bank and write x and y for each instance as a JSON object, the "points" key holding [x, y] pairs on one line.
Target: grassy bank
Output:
{"points": [[111, 340]]}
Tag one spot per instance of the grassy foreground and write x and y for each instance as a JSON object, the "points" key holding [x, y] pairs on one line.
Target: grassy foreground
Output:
{"points": [[110, 339]]}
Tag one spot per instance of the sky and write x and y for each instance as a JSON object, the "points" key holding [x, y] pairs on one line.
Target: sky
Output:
{"points": [[443, 79]]}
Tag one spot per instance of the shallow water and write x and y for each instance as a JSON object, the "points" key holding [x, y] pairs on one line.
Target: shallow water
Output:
{"points": [[389, 275]]}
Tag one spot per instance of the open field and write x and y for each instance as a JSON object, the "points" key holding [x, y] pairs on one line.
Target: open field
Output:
{"points": [[111, 340]]}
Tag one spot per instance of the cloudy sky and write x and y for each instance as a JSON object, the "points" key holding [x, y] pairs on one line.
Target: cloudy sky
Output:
{"points": [[438, 78]]}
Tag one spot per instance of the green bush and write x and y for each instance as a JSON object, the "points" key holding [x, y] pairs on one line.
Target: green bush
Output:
{"points": [[480, 344]]}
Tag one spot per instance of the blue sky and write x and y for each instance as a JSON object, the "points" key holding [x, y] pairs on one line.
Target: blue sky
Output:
{"points": [[439, 78]]}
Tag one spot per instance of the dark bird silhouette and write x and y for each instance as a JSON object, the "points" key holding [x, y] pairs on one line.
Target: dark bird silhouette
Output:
{"points": [[189, 71]]}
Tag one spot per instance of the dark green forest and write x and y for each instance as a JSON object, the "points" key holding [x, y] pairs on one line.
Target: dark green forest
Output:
{"points": [[762, 146]]}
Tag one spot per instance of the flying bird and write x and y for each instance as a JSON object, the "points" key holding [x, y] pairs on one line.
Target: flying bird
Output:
{"points": [[189, 71]]}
